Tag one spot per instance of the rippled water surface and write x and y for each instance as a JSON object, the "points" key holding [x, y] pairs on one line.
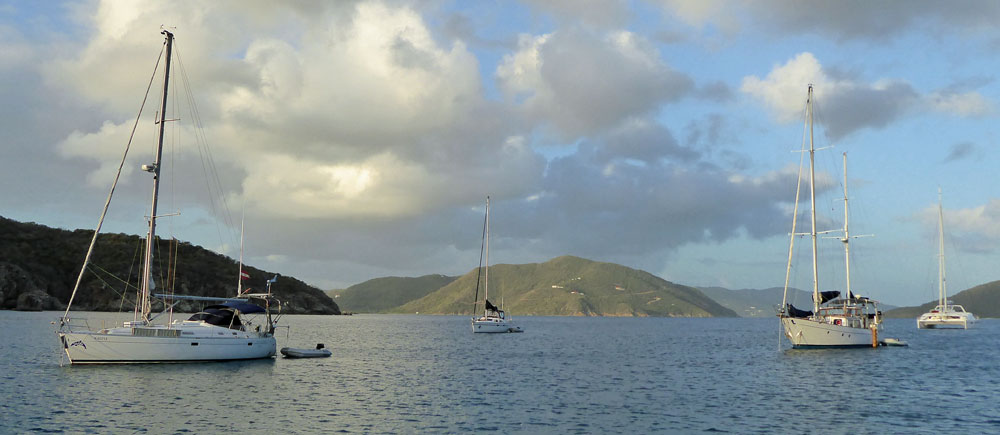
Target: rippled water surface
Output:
{"points": [[589, 375]]}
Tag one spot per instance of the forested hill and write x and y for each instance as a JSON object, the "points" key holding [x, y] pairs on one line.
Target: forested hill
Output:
{"points": [[39, 265], [383, 294], [571, 286]]}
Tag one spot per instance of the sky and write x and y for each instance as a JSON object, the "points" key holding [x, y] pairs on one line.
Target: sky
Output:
{"points": [[357, 140]]}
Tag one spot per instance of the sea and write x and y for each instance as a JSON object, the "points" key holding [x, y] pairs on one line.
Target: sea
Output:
{"points": [[430, 374]]}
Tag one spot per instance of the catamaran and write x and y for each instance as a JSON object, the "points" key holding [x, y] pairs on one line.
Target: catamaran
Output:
{"points": [[851, 321], [220, 332], [494, 319], [944, 315]]}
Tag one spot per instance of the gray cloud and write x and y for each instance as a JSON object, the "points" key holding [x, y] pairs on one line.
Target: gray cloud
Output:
{"points": [[583, 83], [716, 91], [865, 107], [638, 139], [597, 13], [842, 20], [960, 151]]}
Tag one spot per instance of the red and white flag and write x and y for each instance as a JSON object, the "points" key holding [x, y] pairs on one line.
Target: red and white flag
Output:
{"points": [[244, 275]]}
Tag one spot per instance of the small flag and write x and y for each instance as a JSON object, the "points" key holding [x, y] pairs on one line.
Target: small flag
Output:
{"points": [[244, 275]]}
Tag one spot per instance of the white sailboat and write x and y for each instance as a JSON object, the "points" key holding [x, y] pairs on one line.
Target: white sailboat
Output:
{"points": [[944, 315], [494, 319], [851, 321], [220, 332]]}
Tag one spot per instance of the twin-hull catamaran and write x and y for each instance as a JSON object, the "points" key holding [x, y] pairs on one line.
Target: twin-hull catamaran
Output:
{"points": [[220, 332], [851, 321], [494, 319], [944, 315]]}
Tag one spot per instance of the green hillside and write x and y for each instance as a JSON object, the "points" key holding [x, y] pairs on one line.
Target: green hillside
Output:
{"points": [[982, 300], [571, 286], [39, 265], [383, 294]]}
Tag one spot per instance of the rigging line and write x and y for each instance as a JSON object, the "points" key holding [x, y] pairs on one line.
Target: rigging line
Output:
{"points": [[107, 203], [203, 141], [795, 218], [173, 166], [479, 270], [131, 266], [209, 168], [106, 284], [109, 273]]}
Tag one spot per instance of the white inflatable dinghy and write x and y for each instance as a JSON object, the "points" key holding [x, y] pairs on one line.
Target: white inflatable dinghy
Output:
{"points": [[295, 352]]}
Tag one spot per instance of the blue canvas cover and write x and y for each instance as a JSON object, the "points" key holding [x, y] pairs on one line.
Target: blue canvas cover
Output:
{"points": [[244, 307]]}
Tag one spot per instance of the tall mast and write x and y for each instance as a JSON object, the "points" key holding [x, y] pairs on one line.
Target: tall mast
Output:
{"points": [[942, 286], [847, 238], [812, 194], [155, 170], [486, 281]]}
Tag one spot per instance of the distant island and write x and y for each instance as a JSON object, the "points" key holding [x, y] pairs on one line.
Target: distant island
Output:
{"points": [[39, 266], [563, 286]]}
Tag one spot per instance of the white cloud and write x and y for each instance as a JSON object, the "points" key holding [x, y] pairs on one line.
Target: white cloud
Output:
{"points": [[847, 105], [784, 88]]}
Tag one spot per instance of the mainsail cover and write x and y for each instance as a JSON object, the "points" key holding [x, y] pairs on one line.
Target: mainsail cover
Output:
{"points": [[825, 297], [797, 313], [491, 307]]}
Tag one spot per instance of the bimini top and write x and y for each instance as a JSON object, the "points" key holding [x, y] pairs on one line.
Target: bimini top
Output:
{"points": [[243, 307], [226, 314]]}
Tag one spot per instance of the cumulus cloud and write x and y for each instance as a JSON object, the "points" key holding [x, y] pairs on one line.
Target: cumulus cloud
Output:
{"points": [[582, 82], [359, 116], [845, 105]]}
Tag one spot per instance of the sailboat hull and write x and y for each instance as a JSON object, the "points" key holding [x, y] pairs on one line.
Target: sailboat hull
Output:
{"points": [[494, 326], [115, 347], [953, 320], [807, 333]]}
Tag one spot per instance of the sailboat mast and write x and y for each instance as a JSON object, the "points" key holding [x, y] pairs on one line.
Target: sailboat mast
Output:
{"points": [[486, 280], [942, 286], [847, 238], [155, 170], [812, 194]]}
